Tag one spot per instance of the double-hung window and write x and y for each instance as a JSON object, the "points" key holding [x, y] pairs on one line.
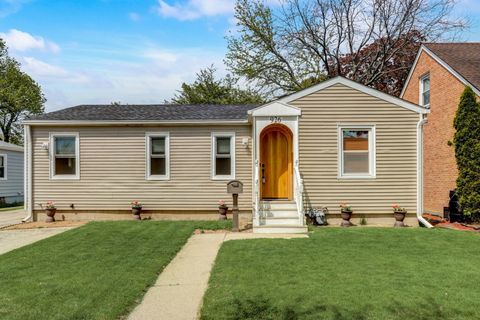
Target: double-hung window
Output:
{"points": [[158, 157], [65, 162], [356, 151], [3, 167], [425, 90], [223, 156]]}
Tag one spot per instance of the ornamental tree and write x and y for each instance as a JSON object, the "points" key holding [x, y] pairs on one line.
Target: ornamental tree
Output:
{"points": [[467, 153]]}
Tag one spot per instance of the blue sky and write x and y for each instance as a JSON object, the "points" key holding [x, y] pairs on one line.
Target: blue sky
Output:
{"points": [[128, 51]]}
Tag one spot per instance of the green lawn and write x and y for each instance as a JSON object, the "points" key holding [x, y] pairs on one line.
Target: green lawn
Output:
{"points": [[355, 273], [11, 208], [98, 271]]}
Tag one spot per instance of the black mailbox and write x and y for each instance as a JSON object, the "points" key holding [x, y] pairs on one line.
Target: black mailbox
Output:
{"points": [[235, 187]]}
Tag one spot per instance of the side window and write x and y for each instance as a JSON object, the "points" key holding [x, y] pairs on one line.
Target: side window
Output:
{"points": [[64, 163], [158, 157], [425, 91], [223, 151], [3, 167], [357, 154]]}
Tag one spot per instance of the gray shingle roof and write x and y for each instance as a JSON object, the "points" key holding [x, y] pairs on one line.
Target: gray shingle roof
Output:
{"points": [[153, 112]]}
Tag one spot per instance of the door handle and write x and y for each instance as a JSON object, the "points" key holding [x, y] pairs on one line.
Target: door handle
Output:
{"points": [[263, 173]]}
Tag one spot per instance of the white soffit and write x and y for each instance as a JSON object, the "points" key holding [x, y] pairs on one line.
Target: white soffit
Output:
{"points": [[275, 108]]}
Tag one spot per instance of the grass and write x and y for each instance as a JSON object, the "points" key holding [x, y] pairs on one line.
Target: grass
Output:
{"points": [[98, 271], [11, 208], [355, 273]]}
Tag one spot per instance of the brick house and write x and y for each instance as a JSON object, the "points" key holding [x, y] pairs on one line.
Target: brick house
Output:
{"points": [[437, 79]]}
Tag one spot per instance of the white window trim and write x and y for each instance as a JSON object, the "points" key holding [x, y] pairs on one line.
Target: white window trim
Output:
{"points": [[372, 154], [420, 99], [215, 135], [5, 166], [51, 149], [148, 137]]}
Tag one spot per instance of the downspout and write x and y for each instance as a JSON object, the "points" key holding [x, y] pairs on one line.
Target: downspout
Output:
{"points": [[28, 161], [420, 218]]}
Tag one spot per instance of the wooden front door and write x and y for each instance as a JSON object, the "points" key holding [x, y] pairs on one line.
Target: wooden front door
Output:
{"points": [[276, 157]]}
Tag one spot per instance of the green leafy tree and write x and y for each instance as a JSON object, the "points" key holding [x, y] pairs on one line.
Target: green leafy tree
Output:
{"points": [[207, 89], [467, 153], [20, 96]]}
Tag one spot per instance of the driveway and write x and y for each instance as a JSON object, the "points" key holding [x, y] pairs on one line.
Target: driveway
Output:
{"points": [[8, 218], [13, 239]]}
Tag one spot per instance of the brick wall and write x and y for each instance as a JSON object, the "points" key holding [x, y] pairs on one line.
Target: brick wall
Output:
{"points": [[440, 168]]}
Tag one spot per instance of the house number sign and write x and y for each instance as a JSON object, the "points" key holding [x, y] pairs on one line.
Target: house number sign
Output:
{"points": [[275, 119]]}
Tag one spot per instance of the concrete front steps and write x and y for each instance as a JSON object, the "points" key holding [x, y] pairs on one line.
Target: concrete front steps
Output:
{"points": [[279, 217]]}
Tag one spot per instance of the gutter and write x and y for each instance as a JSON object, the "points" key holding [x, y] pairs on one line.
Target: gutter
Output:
{"points": [[420, 124], [28, 164], [132, 122]]}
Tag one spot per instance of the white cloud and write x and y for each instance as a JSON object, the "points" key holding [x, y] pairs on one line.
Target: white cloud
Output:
{"points": [[23, 41], [134, 16], [42, 70], [8, 7], [194, 9]]}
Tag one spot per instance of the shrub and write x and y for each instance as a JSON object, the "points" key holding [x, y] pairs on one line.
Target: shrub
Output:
{"points": [[467, 152]]}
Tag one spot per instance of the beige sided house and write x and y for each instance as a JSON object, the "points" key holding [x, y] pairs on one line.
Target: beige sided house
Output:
{"points": [[335, 142]]}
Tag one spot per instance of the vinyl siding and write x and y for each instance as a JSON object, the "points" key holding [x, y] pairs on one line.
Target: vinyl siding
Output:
{"points": [[13, 186], [395, 127], [112, 170]]}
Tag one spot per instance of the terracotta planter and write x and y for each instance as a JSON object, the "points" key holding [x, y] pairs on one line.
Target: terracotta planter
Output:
{"points": [[136, 213], [222, 211], [346, 216], [50, 215], [399, 217]]}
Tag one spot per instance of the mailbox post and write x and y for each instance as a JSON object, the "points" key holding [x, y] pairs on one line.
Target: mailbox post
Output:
{"points": [[235, 187]]}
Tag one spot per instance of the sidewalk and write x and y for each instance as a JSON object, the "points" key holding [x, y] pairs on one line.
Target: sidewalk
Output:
{"points": [[178, 292], [11, 217]]}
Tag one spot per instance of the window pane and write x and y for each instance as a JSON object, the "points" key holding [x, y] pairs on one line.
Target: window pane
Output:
{"points": [[64, 145], [355, 162], [65, 166], [1, 162], [2, 172], [426, 98], [355, 140], [223, 166], [158, 145], [426, 84], [157, 166], [223, 145]]}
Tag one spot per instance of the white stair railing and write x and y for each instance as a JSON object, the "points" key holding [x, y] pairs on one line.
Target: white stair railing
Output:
{"points": [[299, 193], [256, 188]]}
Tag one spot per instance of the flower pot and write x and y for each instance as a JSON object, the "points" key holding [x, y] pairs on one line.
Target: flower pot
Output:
{"points": [[50, 215], [136, 213], [399, 217], [222, 211], [346, 215]]}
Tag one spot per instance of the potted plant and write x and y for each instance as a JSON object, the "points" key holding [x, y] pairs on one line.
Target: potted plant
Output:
{"points": [[346, 211], [399, 213], [222, 210], [136, 209], [50, 210]]}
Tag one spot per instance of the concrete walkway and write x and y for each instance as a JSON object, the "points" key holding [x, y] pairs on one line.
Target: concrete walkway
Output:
{"points": [[179, 290], [13, 239], [11, 217]]}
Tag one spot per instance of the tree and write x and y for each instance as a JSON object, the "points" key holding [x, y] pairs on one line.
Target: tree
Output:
{"points": [[467, 153], [206, 89], [307, 41], [20, 96]]}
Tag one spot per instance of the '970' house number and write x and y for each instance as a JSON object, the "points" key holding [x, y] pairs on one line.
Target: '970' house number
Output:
{"points": [[275, 119]]}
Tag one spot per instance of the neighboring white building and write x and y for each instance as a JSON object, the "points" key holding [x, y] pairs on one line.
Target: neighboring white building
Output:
{"points": [[11, 173]]}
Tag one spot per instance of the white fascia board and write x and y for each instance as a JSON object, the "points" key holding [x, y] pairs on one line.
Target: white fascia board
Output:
{"points": [[275, 108], [357, 86], [121, 123], [423, 48]]}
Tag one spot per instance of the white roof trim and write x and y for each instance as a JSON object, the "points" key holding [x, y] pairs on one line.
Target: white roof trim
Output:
{"points": [[357, 86], [443, 64], [275, 108], [10, 147], [132, 122]]}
